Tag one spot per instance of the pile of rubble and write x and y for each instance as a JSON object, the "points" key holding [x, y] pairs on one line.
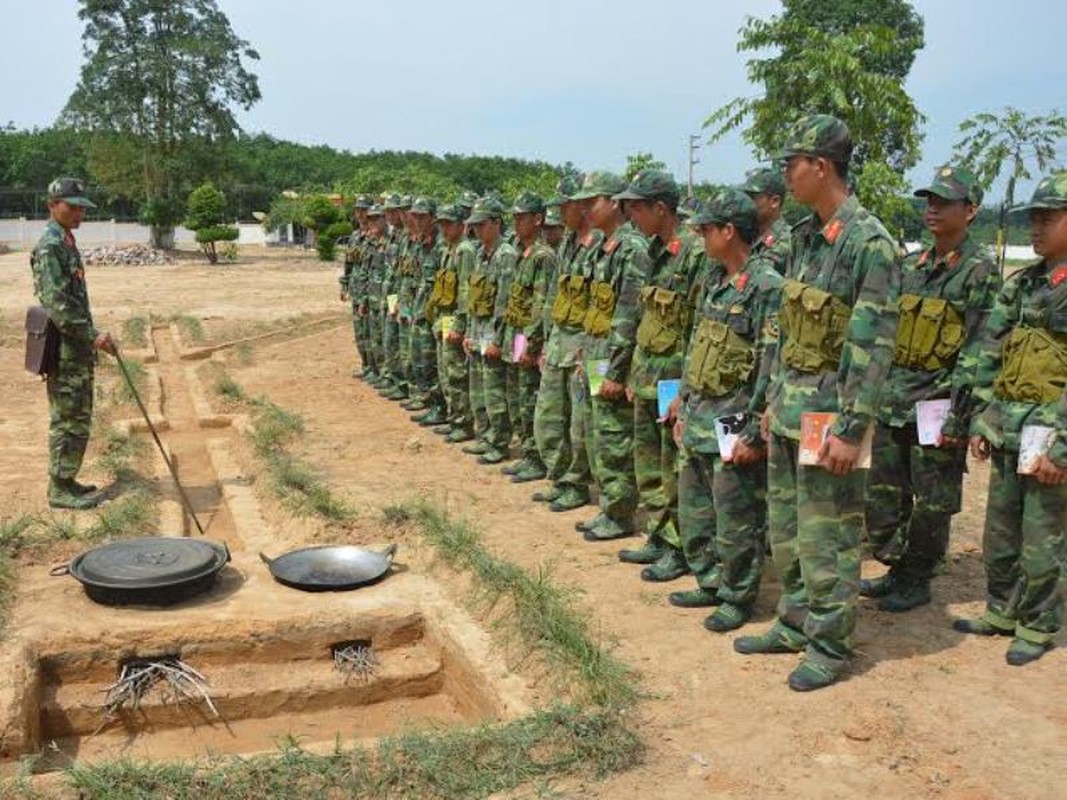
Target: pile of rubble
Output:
{"points": [[129, 255]]}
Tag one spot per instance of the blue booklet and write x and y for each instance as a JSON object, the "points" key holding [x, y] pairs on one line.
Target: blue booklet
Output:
{"points": [[666, 391]]}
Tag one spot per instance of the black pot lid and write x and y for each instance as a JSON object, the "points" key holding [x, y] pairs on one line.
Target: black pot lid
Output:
{"points": [[148, 563]]}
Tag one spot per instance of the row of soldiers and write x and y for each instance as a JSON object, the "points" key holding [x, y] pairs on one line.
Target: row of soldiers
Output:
{"points": [[669, 358]]}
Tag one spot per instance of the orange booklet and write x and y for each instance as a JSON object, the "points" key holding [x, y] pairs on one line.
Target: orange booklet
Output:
{"points": [[815, 427]]}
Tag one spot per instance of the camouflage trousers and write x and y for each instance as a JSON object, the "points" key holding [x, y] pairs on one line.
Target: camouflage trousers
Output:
{"points": [[394, 364], [722, 513], [455, 382], [559, 426], [489, 392], [522, 400], [374, 340], [815, 520], [424, 363], [407, 328], [361, 329], [70, 415], [655, 470], [1024, 547], [912, 493], [609, 440]]}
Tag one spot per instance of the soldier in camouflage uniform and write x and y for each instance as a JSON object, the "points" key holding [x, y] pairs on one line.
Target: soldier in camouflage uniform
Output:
{"points": [[466, 257], [484, 337], [664, 319], [620, 268], [722, 506], [837, 326], [396, 244], [1022, 372], [423, 340], [410, 260], [521, 304], [559, 419], [946, 294], [552, 228], [766, 187], [374, 259], [441, 310], [59, 283], [353, 287]]}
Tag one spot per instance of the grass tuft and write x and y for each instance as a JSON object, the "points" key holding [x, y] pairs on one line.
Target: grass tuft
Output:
{"points": [[135, 332], [191, 327]]}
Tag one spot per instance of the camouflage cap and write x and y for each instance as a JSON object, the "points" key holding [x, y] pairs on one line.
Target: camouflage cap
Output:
{"points": [[528, 203], [764, 180], [567, 186], [730, 206], [405, 201], [375, 210], [452, 212], [953, 183], [818, 135], [650, 184], [467, 199], [552, 218], [71, 191], [1051, 193], [599, 184], [689, 207], [488, 207], [424, 205], [364, 201], [393, 201]]}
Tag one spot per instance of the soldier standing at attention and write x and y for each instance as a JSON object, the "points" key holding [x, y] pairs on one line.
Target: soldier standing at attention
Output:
{"points": [[946, 294], [722, 503], [394, 387], [522, 308], [837, 325], [485, 329], [766, 187], [1022, 373], [374, 254], [665, 314], [552, 229], [423, 343], [59, 283]]}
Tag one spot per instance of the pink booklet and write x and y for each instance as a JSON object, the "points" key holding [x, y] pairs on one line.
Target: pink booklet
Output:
{"points": [[518, 347]]}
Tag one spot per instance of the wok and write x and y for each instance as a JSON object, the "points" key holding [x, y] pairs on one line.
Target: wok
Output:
{"points": [[330, 568]]}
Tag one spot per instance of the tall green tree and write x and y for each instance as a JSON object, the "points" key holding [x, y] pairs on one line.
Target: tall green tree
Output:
{"points": [[848, 59], [166, 75], [635, 162], [1012, 141]]}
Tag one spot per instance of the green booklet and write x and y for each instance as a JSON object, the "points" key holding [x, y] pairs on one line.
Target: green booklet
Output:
{"points": [[596, 369]]}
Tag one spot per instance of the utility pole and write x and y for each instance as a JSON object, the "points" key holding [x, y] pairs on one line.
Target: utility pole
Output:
{"points": [[694, 145]]}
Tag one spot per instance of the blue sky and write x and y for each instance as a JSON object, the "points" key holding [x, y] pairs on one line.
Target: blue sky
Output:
{"points": [[585, 81]]}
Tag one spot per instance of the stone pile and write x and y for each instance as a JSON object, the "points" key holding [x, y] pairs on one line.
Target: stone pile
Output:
{"points": [[130, 255]]}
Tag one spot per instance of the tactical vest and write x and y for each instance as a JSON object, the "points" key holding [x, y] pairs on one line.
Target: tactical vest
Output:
{"points": [[482, 295], [929, 335], [443, 294], [1034, 366], [813, 323], [664, 319], [597, 321], [519, 312], [572, 300], [721, 356]]}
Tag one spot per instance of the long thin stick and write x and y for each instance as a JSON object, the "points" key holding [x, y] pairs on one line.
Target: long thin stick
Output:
{"points": [[159, 444]]}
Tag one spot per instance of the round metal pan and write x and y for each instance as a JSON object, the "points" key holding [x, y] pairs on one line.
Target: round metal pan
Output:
{"points": [[330, 568]]}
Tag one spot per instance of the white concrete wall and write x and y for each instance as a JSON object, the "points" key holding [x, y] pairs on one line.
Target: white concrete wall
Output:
{"points": [[21, 234]]}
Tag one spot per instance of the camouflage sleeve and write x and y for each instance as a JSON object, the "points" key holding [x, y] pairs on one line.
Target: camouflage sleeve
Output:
{"points": [[869, 338], [506, 274], [53, 284], [536, 333], [983, 290], [464, 267], [1004, 316], [699, 269], [623, 336], [1058, 452], [770, 299]]}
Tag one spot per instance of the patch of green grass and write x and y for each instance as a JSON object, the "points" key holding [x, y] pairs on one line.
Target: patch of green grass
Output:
{"points": [[121, 452], [243, 353], [135, 332], [191, 327], [132, 514], [302, 489], [138, 376], [228, 389], [397, 514]]}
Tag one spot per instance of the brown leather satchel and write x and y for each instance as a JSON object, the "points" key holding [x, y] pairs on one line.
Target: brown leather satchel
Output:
{"points": [[42, 342]]}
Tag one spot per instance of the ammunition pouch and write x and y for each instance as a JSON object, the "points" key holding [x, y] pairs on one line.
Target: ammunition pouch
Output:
{"points": [[482, 296], [597, 320], [572, 300], [663, 320], [1034, 366], [519, 312], [814, 323], [929, 335], [721, 355], [443, 294]]}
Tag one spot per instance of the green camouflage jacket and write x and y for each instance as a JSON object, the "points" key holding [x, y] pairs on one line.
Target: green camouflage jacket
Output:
{"points": [[621, 261], [854, 259], [374, 258], [564, 254], [59, 283], [396, 244], [430, 254], [466, 255], [968, 279], [529, 278], [774, 245], [678, 266], [409, 259], [564, 345], [748, 304], [497, 268], [1034, 297]]}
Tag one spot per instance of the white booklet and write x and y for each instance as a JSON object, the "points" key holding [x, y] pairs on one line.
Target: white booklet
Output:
{"points": [[727, 431], [1034, 442], [930, 416]]}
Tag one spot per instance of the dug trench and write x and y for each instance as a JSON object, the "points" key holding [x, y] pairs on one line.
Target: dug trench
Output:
{"points": [[265, 651]]}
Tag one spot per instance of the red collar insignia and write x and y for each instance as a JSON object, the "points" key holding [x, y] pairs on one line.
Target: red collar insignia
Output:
{"points": [[924, 257], [587, 240], [833, 230], [769, 240], [953, 259], [610, 245], [1058, 276], [674, 246], [741, 282], [527, 251]]}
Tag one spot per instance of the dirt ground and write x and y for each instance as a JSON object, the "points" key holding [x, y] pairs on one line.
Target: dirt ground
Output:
{"points": [[925, 713]]}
